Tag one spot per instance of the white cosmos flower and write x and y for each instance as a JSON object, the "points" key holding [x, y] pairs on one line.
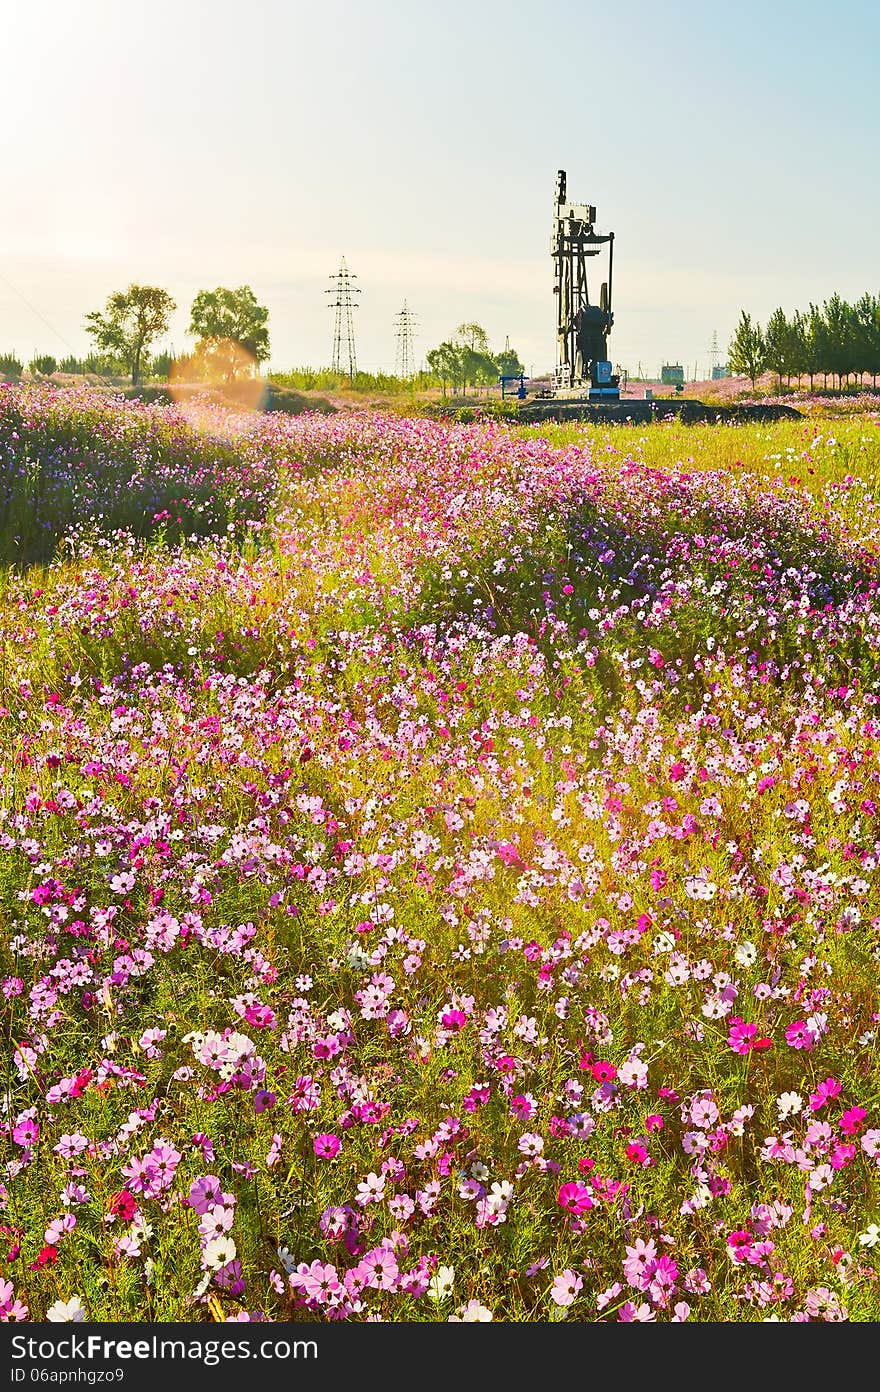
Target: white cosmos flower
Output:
{"points": [[66, 1311], [789, 1104], [746, 954], [440, 1285], [472, 1313], [870, 1237], [218, 1252]]}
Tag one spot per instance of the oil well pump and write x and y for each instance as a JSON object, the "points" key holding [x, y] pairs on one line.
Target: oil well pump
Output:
{"points": [[582, 324], [585, 386]]}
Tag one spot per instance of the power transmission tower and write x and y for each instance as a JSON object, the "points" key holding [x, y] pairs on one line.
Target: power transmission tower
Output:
{"points": [[715, 350], [404, 359], [343, 327]]}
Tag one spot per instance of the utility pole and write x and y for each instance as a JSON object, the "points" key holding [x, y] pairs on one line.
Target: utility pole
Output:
{"points": [[343, 325], [404, 359]]}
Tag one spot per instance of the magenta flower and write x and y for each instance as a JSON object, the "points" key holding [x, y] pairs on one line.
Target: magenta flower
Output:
{"points": [[453, 1019], [575, 1197], [852, 1121], [327, 1146], [825, 1093], [800, 1036], [741, 1035], [603, 1071]]}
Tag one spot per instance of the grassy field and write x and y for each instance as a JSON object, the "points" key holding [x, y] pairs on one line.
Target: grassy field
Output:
{"points": [[438, 867]]}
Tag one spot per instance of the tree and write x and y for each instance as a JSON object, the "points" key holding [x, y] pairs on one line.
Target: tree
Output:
{"points": [[472, 336], [821, 351], [777, 344], [161, 364], [800, 349], [746, 353], [10, 367], [508, 363], [132, 320], [866, 313], [445, 361], [478, 369], [43, 365], [231, 328], [838, 316]]}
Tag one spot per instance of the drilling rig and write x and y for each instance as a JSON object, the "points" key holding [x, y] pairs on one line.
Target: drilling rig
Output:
{"points": [[582, 326]]}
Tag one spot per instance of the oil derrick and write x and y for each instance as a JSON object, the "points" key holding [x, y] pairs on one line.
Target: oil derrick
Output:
{"points": [[341, 288], [404, 332]]}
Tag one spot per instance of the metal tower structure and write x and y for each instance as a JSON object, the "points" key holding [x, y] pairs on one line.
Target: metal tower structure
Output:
{"points": [[714, 350], [582, 325], [404, 359], [341, 288]]}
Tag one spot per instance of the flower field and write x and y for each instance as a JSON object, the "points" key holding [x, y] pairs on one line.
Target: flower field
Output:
{"points": [[438, 868]]}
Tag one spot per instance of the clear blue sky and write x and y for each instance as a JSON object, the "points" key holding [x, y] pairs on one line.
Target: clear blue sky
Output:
{"points": [[731, 148]]}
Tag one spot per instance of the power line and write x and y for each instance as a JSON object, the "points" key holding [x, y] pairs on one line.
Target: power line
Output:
{"points": [[51, 327]]}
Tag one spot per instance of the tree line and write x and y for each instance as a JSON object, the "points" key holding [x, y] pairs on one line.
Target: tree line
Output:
{"points": [[232, 339], [838, 340], [229, 325], [465, 359]]}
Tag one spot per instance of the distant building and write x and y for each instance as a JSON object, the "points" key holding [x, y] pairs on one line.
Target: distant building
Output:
{"points": [[719, 372], [672, 375]]}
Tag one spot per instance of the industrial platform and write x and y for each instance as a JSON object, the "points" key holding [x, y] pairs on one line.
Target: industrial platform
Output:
{"points": [[642, 412]]}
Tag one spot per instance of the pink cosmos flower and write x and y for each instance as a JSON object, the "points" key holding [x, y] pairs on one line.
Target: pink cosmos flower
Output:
{"points": [[799, 1036], [25, 1132], [603, 1071], [453, 1019], [318, 1282], [565, 1287], [205, 1192], [851, 1122], [824, 1093], [575, 1197], [379, 1269], [327, 1146], [636, 1314], [637, 1259]]}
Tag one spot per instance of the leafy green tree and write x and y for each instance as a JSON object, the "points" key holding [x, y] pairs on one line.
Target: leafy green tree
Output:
{"points": [[446, 362], [508, 363], [231, 328], [478, 369], [838, 317], [104, 365], [746, 355], [132, 320], [10, 367], [820, 345], [43, 365], [70, 364], [160, 365], [473, 336], [866, 313], [777, 344], [800, 346]]}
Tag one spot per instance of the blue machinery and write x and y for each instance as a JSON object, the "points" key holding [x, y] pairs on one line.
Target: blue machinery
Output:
{"points": [[519, 391]]}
